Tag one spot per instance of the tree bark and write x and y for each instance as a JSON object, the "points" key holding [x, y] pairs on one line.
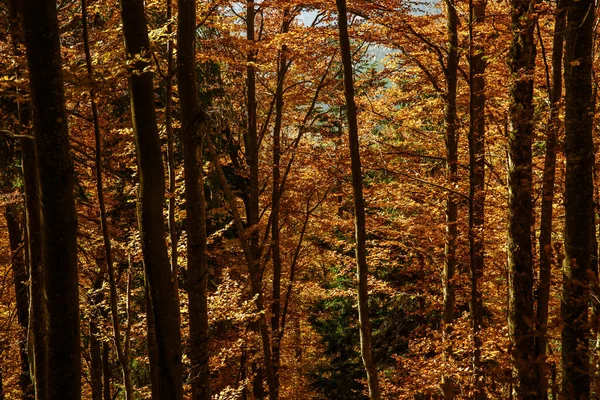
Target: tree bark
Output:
{"points": [[451, 142], [171, 152], [520, 204], [161, 289], [359, 206], [191, 118], [549, 177], [20, 280], [579, 212], [37, 308], [106, 371], [275, 199], [95, 349], [477, 66], [59, 227]]}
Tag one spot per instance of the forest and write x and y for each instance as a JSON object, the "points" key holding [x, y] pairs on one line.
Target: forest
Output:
{"points": [[299, 199]]}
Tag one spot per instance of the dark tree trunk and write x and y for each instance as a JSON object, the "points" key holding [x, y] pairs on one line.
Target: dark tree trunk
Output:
{"points": [[106, 371], [191, 118], [171, 151], [95, 348], [275, 199], [520, 204], [20, 278], [37, 308], [477, 66], [579, 212], [545, 239], [32, 245], [359, 205], [163, 302], [451, 142], [59, 227]]}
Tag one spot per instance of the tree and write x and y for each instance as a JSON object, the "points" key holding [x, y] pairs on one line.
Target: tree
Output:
{"points": [[108, 252], [191, 118], [163, 305], [451, 142], [59, 218], [366, 342], [549, 178], [477, 65], [520, 191], [579, 210]]}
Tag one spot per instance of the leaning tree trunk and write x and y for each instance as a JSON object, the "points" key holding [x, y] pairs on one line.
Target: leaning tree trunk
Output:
{"points": [[520, 203], [366, 342], [162, 302], [451, 142], [191, 117], [59, 219], [477, 66], [579, 210], [549, 177]]}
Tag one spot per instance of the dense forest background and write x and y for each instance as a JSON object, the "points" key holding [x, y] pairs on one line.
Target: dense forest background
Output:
{"points": [[298, 199]]}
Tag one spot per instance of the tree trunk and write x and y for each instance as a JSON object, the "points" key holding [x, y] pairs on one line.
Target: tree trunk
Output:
{"points": [[106, 371], [359, 205], [252, 267], [520, 204], [191, 118], [95, 351], [37, 308], [161, 289], [59, 227], [123, 359], [451, 142], [20, 278], [477, 66], [549, 177], [171, 151], [275, 199], [251, 147], [579, 212]]}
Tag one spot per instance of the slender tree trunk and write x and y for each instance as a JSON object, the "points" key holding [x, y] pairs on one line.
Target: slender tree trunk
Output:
{"points": [[35, 343], [20, 278], [123, 359], [95, 350], [252, 266], [171, 150], [95, 362], [451, 142], [191, 118], [37, 308], [275, 199], [59, 227], [366, 343], [251, 147], [579, 212], [163, 302], [520, 204], [106, 371], [549, 177], [477, 66]]}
